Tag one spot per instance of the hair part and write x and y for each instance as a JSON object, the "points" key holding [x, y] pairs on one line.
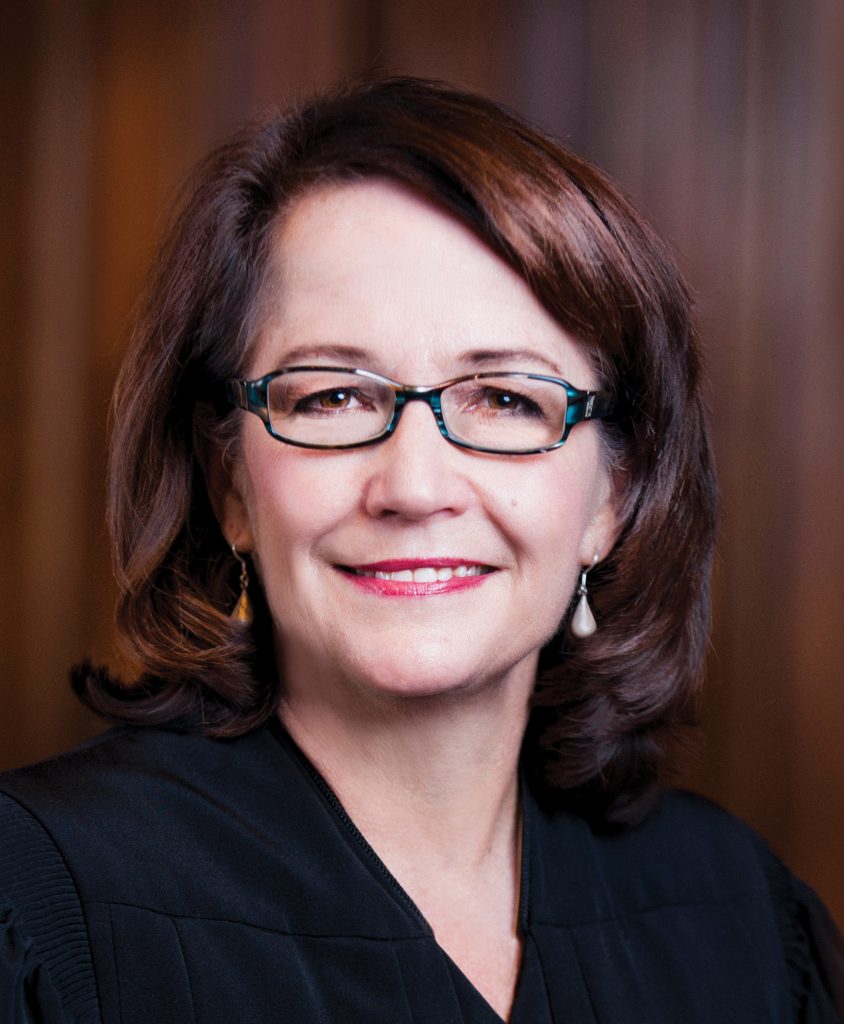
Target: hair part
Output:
{"points": [[606, 708]]}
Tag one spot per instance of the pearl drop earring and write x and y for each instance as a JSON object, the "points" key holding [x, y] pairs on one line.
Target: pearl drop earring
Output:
{"points": [[582, 622]]}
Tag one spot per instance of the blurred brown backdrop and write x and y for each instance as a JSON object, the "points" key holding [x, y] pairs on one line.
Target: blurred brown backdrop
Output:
{"points": [[723, 119]]}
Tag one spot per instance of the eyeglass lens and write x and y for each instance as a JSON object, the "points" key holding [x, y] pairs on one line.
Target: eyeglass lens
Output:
{"points": [[330, 408]]}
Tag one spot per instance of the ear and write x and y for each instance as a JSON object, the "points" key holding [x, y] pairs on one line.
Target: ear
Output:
{"points": [[227, 500], [604, 526]]}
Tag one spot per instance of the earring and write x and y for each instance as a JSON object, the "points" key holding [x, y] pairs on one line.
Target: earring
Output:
{"points": [[242, 611], [582, 622]]}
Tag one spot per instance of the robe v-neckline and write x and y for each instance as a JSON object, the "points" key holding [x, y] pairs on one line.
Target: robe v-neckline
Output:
{"points": [[465, 989]]}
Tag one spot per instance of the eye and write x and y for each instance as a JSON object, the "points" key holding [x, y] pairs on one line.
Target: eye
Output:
{"points": [[329, 401], [499, 400], [333, 399]]}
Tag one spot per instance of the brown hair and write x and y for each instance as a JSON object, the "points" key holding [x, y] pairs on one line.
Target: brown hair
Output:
{"points": [[606, 706]]}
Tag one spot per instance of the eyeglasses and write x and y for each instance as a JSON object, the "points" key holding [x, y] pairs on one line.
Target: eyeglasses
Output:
{"points": [[499, 413]]}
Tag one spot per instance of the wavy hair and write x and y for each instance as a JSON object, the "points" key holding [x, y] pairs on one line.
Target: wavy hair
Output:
{"points": [[606, 708]]}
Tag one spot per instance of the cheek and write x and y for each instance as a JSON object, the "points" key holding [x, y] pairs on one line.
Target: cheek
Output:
{"points": [[292, 502], [550, 516], [556, 502], [555, 537]]}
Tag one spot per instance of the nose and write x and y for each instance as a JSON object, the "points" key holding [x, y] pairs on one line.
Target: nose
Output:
{"points": [[416, 473]]}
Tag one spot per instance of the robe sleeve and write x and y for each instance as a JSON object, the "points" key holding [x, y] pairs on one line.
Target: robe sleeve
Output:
{"points": [[815, 950], [46, 974], [813, 946], [27, 994]]}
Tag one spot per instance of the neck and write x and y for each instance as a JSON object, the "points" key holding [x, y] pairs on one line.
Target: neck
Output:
{"points": [[432, 783], [433, 776]]}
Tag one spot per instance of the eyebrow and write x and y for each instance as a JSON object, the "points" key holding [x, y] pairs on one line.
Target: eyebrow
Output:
{"points": [[353, 355], [496, 356], [343, 355]]}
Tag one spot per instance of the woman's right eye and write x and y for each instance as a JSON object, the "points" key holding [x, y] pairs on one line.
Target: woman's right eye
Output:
{"points": [[335, 399], [329, 400], [323, 396]]}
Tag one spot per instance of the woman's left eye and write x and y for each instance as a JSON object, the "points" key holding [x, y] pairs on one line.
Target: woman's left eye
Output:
{"points": [[511, 402]]}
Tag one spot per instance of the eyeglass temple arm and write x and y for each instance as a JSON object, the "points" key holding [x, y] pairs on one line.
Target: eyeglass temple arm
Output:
{"points": [[590, 405], [249, 395], [236, 393]]}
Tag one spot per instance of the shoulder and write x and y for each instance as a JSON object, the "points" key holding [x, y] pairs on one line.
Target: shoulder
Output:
{"points": [[692, 879], [686, 852], [690, 851], [686, 817], [125, 751], [687, 840], [133, 770], [183, 825], [138, 814]]}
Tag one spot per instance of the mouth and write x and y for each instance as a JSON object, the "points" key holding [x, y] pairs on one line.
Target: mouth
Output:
{"points": [[434, 575]]}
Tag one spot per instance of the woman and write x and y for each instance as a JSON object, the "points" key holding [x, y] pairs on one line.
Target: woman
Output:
{"points": [[413, 776]]}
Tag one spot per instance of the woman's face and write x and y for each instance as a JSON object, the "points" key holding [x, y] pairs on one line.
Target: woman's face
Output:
{"points": [[369, 275]]}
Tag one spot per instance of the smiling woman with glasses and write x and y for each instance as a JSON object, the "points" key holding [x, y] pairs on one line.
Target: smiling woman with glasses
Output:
{"points": [[405, 682]]}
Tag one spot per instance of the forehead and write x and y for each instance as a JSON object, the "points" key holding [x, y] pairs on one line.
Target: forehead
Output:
{"points": [[374, 266]]}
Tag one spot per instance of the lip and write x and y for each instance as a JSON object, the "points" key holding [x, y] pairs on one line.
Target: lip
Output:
{"points": [[399, 564], [402, 588]]}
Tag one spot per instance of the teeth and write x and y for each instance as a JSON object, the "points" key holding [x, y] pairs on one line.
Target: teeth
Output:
{"points": [[426, 574]]}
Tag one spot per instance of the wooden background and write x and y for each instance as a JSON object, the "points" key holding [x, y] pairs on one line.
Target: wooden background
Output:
{"points": [[723, 119]]}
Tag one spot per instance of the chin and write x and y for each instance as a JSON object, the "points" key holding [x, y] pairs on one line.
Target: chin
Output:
{"points": [[406, 666], [412, 677], [412, 687]]}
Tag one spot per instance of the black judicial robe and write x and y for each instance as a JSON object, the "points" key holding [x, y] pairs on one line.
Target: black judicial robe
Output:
{"points": [[158, 877]]}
